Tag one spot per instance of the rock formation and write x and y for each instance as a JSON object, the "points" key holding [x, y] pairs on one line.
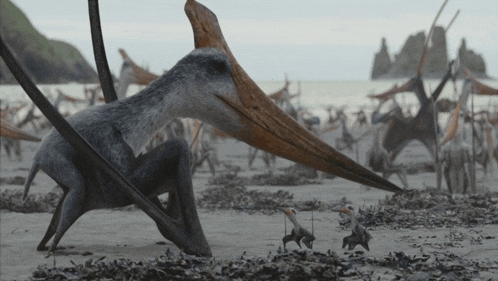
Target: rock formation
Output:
{"points": [[472, 61], [406, 62], [437, 60], [46, 61], [382, 61]]}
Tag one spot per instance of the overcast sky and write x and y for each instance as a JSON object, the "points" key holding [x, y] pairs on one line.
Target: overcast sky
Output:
{"points": [[308, 40]]}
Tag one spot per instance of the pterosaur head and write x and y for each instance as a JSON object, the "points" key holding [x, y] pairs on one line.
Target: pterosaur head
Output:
{"points": [[250, 116], [288, 211], [348, 210]]}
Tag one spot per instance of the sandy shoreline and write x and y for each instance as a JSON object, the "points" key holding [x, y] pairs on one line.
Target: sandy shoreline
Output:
{"points": [[132, 235]]}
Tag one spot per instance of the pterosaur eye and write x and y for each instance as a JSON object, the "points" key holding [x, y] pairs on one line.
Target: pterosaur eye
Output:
{"points": [[294, 211], [217, 67], [350, 207]]}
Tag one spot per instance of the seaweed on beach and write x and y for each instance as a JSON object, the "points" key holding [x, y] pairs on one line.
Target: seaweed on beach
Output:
{"points": [[432, 208], [228, 179], [302, 171], [240, 198], [11, 200], [286, 179], [292, 176], [295, 265], [17, 180]]}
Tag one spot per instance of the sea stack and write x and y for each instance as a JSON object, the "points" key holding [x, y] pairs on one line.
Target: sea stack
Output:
{"points": [[471, 60], [382, 61], [406, 62]]}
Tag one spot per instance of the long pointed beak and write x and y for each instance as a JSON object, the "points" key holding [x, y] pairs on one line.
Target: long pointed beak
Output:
{"points": [[264, 124], [9, 131], [345, 210], [286, 211]]}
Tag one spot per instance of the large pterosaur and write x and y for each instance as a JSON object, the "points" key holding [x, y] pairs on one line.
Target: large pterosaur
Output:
{"points": [[207, 84]]}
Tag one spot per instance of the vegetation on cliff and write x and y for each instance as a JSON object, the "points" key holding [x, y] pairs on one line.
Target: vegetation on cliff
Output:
{"points": [[47, 61]]}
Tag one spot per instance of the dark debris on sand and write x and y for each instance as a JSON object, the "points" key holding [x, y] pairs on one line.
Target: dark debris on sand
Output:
{"points": [[291, 176], [432, 208], [242, 199], [299, 170], [228, 191], [11, 200], [296, 265], [17, 180]]}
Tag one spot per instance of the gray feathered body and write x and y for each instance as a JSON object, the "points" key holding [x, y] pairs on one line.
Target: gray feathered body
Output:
{"points": [[104, 128]]}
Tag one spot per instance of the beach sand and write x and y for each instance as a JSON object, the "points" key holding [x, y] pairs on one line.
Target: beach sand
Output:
{"points": [[118, 234]]}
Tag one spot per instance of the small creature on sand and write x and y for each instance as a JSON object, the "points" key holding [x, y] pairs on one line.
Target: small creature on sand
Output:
{"points": [[359, 234], [298, 232]]}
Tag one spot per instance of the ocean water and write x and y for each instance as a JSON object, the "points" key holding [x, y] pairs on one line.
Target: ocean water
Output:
{"points": [[315, 97]]}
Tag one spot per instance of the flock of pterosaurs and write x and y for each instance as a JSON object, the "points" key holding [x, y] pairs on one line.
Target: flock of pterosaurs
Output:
{"points": [[128, 150]]}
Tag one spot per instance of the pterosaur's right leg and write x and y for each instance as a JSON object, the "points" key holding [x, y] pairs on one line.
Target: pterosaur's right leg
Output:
{"points": [[211, 164], [172, 210], [252, 155], [52, 227], [71, 206], [167, 168]]}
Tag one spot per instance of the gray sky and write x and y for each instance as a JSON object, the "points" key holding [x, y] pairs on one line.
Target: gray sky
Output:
{"points": [[308, 40]]}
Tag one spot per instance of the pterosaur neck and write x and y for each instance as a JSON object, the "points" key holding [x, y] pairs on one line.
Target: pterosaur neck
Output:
{"points": [[143, 114], [354, 221], [294, 222]]}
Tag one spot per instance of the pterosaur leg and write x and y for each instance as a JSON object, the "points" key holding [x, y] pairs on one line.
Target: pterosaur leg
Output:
{"points": [[168, 166], [172, 210], [71, 210], [252, 155], [52, 227], [211, 165], [72, 204]]}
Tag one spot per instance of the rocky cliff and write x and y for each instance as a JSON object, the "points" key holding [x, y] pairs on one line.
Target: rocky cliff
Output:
{"points": [[46, 61], [472, 61], [382, 61], [406, 62]]}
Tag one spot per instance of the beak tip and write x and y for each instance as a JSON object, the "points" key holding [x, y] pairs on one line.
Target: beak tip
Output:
{"points": [[389, 186]]}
